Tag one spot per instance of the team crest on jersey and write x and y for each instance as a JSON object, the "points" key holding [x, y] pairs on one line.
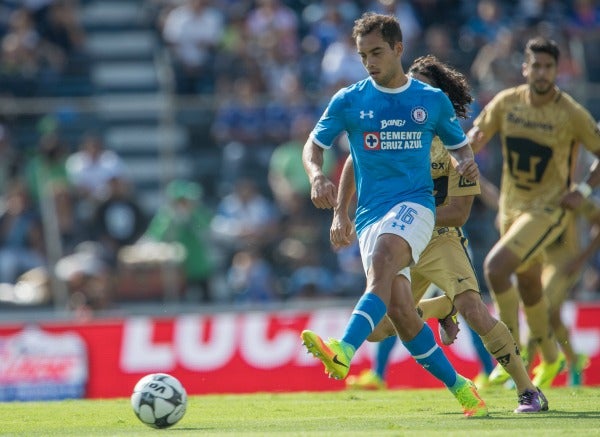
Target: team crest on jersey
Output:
{"points": [[371, 141], [419, 114]]}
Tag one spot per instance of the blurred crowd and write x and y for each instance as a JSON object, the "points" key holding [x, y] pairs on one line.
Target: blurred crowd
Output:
{"points": [[71, 217]]}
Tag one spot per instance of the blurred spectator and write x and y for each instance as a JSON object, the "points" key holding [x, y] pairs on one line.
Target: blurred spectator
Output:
{"points": [[350, 280], [118, 220], [21, 236], [48, 184], [185, 220], [90, 169], [28, 63], [239, 128], [497, 64], [272, 24], [584, 16], [533, 12], [287, 103], [438, 40], [309, 277], [19, 62], [326, 22], [341, 65], [192, 31], [311, 282], [245, 218], [235, 58], [484, 25], [250, 278], [63, 29], [287, 177], [88, 279], [46, 168], [70, 229], [9, 159]]}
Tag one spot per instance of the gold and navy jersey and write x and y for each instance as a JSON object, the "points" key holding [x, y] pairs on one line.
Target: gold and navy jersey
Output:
{"points": [[539, 145], [446, 181]]}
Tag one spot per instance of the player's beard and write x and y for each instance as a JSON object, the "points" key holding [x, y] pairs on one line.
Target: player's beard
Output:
{"points": [[542, 87]]}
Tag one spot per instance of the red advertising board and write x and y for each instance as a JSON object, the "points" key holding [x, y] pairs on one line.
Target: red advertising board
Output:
{"points": [[237, 352]]}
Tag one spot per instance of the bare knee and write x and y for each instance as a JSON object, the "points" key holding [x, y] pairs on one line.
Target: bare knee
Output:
{"points": [[474, 311], [492, 269], [406, 321]]}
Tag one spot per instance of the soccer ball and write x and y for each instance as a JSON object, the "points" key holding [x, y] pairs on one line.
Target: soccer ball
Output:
{"points": [[159, 400]]}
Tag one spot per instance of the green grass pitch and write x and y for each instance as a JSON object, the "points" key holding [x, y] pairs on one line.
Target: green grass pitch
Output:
{"points": [[573, 411]]}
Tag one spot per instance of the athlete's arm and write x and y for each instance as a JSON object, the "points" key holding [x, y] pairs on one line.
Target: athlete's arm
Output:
{"points": [[342, 230], [574, 198], [464, 163], [455, 213], [577, 263], [323, 192], [490, 195], [477, 138]]}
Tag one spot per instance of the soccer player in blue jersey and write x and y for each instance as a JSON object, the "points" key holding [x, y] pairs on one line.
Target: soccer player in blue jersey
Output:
{"points": [[390, 121], [445, 262]]}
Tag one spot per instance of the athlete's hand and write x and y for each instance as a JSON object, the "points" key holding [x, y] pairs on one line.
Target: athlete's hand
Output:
{"points": [[323, 193], [467, 168], [572, 200], [342, 232]]}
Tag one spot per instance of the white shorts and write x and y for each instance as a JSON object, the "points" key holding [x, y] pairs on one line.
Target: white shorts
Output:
{"points": [[410, 221]]}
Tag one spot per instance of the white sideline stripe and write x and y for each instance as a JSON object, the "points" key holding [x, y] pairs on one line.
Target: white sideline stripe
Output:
{"points": [[366, 316], [426, 354]]}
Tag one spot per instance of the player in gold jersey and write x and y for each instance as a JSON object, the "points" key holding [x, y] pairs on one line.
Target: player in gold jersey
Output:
{"points": [[559, 275], [564, 260], [540, 127], [445, 261]]}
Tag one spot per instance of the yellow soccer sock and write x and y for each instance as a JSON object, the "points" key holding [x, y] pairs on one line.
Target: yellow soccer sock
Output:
{"points": [[507, 305], [538, 320], [564, 342], [500, 343]]}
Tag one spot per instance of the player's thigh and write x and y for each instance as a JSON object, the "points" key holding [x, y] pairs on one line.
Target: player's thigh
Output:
{"points": [[446, 264], [530, 234], [409, 221], [556, 283]]}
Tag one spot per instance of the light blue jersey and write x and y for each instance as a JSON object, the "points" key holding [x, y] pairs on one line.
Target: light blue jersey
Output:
{"points": [[390, 133]]}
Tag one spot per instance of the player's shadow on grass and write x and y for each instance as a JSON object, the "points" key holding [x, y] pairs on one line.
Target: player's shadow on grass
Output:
{"points": [[554, 414], [194, 428], [559, 414]]}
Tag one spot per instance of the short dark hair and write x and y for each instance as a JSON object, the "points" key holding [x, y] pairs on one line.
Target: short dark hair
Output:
{"points": [[446, 78], [387, 25], [542, 45]]}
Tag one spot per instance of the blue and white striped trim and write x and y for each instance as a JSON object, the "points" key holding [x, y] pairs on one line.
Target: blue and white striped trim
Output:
{"points": [[426, 354], [366, 316]]}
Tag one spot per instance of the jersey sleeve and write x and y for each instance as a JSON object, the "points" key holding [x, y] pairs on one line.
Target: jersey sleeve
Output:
{"points": [[331, 123], [459, 186], [488, 120], [448, 128], [588, 132]]}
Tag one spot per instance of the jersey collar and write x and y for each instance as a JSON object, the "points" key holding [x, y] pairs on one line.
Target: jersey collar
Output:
{"points": [[392, 90]]}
